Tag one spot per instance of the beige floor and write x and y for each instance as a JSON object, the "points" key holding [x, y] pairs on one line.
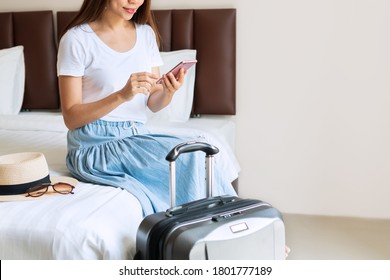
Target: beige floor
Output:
{"points": [[337, 238]]}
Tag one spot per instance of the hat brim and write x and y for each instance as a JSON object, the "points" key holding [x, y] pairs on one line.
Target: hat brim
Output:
{"points": [[53, 179]]}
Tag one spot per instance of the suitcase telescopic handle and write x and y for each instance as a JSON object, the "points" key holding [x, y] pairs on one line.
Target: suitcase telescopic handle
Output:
{"points": [[192, 146], [186, 147]]}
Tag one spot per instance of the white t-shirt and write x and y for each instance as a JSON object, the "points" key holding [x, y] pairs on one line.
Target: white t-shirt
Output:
{"points": [[104, 71]]}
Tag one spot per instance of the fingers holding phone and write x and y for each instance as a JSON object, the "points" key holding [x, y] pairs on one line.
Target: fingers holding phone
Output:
{"points": [[173, 80], [172, 83]]}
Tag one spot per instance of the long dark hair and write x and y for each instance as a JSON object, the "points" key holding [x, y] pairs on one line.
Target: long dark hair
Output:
{"points": [[92, 10]]}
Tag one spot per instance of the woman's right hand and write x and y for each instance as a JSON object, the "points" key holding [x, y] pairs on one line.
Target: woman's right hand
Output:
{"points": [[76, 113], [141, 82]]}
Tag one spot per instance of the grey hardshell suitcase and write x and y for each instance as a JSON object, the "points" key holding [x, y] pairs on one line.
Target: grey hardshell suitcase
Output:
{"points": [[220, 227]]}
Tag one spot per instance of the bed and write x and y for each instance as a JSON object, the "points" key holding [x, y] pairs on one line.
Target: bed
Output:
{"points": [[100, 222]]}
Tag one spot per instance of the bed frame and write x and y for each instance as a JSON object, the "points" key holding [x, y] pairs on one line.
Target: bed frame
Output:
{"points": [[211, 32]]}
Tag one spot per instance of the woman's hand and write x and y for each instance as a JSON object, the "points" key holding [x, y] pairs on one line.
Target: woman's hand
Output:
{"points": [[171, 83], [142, 82], [76, 113], [163, 93]]}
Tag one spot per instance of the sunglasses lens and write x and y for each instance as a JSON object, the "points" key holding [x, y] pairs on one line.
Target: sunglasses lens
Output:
{"points": [[63, 188], [37, 190]]}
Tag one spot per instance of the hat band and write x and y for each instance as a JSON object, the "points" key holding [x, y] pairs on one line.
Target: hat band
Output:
{"points": [[22, 188]]}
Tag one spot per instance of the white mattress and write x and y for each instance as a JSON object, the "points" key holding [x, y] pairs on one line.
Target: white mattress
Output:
{"points": [[96, 222]]}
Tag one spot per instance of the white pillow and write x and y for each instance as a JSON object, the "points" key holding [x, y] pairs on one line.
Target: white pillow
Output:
{"points": [[12, 74], [179, 109]]}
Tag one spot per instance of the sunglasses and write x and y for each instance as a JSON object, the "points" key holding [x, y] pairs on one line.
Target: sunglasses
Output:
{"points": [[39, 190]]}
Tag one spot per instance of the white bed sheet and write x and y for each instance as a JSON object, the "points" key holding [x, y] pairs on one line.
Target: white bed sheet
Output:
{"points": [[96, 222]]}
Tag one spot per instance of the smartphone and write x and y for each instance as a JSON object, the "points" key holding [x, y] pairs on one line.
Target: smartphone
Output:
{"points": [[186, 64]]}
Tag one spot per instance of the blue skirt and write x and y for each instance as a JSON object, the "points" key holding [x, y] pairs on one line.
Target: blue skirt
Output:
{"points": [[127, 156]]}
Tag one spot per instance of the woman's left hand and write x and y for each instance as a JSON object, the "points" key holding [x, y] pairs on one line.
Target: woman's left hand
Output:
{"points": [[163, 93], [172, 84]]}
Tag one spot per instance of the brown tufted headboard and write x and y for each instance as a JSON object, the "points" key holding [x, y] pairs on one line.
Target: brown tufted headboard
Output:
{"points": [[212, 32], [35, 31]]}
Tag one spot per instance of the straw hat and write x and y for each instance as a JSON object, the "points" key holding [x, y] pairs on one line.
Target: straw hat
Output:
{"points": [[21, 171]]}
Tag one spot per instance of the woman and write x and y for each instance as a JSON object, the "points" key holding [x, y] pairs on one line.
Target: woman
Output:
{"points": [[108, 65]]}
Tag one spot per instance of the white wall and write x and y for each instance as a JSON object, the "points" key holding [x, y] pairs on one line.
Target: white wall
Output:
{"points": [[313, 115]]}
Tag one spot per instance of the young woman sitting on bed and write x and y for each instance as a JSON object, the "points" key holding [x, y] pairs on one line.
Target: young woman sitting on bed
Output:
{"points": [[108, 65]]}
